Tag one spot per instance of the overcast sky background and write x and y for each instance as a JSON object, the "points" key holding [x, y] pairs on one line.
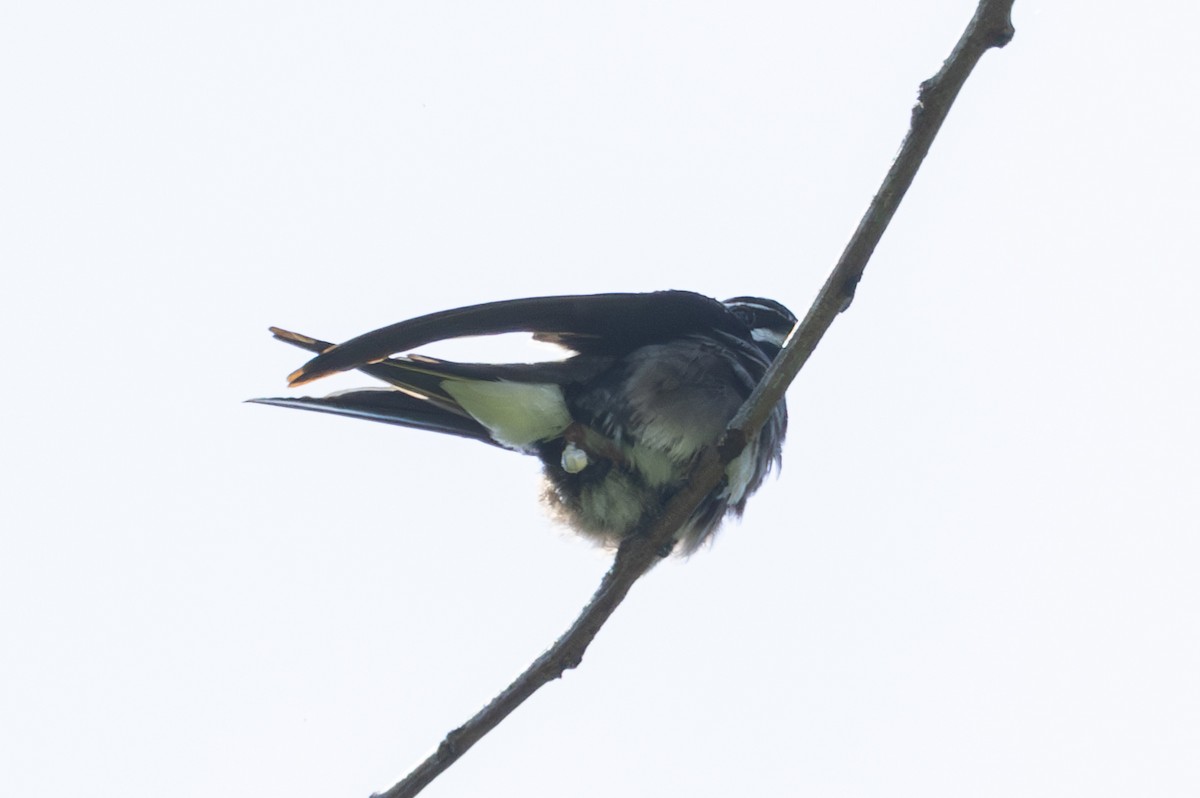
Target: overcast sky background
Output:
{"points": [[977, 574]]}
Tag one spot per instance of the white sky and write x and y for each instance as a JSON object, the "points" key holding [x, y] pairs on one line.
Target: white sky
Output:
{"points": [[976, 576]]}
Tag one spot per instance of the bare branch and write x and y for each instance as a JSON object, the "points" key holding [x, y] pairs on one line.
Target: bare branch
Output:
{"points": [[990, 27]]}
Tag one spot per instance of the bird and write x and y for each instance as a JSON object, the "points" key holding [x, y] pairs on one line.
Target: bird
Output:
{"points": [[651, 380]]}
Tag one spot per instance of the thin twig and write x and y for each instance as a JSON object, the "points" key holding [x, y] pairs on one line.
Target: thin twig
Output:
{"points": [[990, 27]]}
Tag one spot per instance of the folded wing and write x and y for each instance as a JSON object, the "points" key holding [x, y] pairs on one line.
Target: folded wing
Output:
{"points": [[512, 405], [599, 324]]}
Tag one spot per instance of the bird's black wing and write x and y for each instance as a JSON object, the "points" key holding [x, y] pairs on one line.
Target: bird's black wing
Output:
{"points": [[597, 324], [428, 398], [424, 375]]}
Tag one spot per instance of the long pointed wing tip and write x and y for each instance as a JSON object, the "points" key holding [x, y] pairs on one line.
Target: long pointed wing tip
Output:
{"points": [[296, 338], [300, 377], [307, 373]]}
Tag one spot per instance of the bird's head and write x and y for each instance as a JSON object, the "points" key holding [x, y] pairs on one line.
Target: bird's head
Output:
{"points": [[769, 321]]}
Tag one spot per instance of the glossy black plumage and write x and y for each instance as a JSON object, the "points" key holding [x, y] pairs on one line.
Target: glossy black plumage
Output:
{"points": [[655, 378]]}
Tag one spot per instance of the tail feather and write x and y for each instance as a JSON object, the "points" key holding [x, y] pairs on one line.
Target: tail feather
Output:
{"points": [[389, 407]]}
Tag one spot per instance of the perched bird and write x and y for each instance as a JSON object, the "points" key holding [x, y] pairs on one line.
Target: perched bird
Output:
{"points": [[654, 378]]}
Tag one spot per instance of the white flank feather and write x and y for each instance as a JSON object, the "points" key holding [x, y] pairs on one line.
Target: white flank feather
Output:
{"points": [[517, 414]]}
